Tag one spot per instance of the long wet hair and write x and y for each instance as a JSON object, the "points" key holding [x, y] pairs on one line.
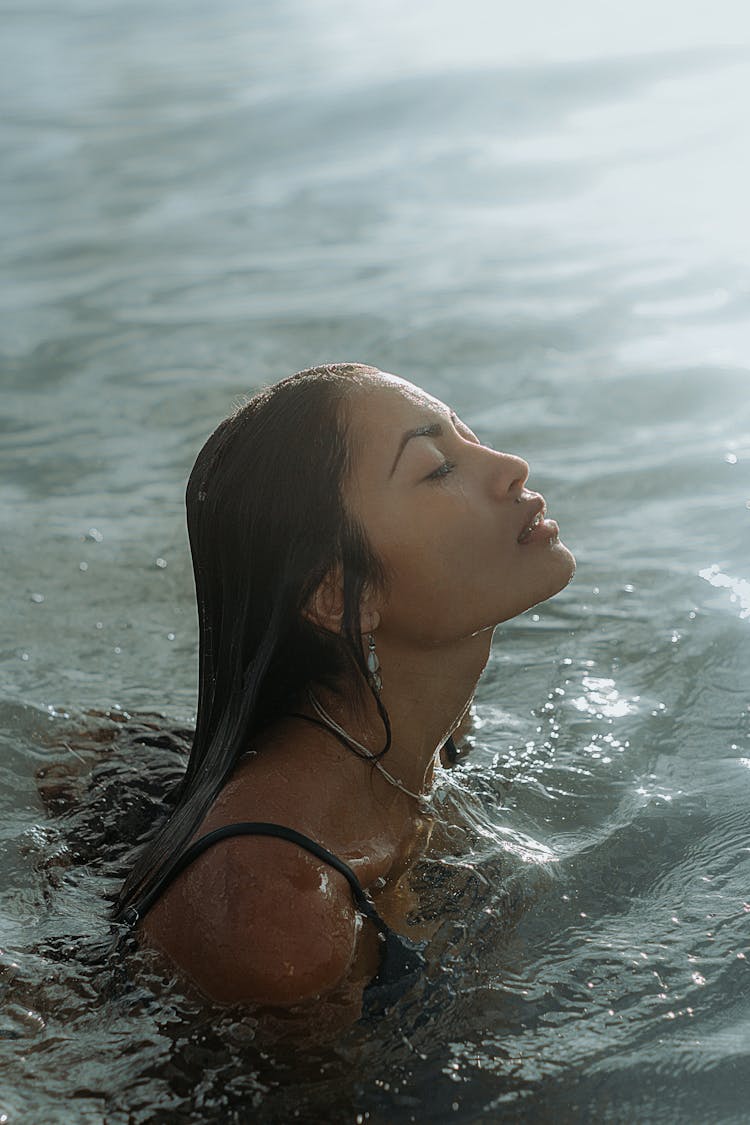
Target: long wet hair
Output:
{"points": [[267, 524]]}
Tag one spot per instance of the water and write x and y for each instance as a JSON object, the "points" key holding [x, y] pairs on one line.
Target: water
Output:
{"points": [[542, 220]]}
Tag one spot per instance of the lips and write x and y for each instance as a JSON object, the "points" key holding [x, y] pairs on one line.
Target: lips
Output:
{"points": [[535, 516]]}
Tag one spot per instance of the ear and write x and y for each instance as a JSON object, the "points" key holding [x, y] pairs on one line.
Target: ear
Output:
{"points": [[326, 606]]}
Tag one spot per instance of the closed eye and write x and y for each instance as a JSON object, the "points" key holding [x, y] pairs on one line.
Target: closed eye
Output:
{"points": [[441, 471]]}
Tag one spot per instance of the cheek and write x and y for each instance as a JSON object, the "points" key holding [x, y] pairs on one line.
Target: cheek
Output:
{"points": [[456, 553], [420, 576]]}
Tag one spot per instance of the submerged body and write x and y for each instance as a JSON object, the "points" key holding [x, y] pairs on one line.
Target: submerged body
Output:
{"points": [[448, 542]]}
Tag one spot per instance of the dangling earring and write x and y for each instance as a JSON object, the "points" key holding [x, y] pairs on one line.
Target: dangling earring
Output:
{"points": [[373, 665]]}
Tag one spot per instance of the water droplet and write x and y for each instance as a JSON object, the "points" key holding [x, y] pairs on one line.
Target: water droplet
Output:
{"points": [[161, 563], [83, 566], [535, 617], [24, 656], [99, 625], [170, 636], [38, 598], [118, 650]]}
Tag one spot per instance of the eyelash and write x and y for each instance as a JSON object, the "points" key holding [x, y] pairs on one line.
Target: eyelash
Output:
{"points": [[442, 471]]}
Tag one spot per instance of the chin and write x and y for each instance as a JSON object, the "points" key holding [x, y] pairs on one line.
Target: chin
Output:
{"points": [[564, 569], [560, 570], [571, 561]]}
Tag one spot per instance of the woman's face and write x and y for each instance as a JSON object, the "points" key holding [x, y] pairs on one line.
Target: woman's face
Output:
{"points": [[448, 517]]}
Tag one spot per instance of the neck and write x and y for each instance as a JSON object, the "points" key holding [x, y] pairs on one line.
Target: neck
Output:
{"points": [[426, 694]]}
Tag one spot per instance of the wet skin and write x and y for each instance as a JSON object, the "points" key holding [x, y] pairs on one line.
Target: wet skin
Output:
{"points": [[446, 519], [258, 920]]}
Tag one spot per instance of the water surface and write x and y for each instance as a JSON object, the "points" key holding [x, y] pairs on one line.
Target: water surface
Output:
{"points": [[545, 224]]}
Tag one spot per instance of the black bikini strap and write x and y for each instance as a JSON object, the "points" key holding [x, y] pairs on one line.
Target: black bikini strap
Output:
{"points": [[255, 828]]}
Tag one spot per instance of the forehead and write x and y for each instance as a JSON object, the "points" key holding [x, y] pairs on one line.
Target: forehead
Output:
{"points": [[384, 408]]}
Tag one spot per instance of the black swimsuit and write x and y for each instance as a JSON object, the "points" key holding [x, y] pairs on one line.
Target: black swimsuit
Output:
{"points": [[401, 960]]}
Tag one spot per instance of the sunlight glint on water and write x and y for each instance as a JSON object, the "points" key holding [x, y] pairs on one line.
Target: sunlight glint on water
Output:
{"points": [[543, 221]]}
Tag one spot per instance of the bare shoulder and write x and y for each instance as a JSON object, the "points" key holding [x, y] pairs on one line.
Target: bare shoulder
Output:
{"points": [[258, 919]]}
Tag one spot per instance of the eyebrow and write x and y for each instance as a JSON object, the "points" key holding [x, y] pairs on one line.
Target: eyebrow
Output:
{"points": [[434, 429]]}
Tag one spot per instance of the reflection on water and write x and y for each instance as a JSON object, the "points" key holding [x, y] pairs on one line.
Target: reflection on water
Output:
{"points": [[543, 221], [739, 588]]}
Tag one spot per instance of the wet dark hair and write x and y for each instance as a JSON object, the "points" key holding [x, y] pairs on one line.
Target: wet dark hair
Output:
{"points": [[267, 523]]}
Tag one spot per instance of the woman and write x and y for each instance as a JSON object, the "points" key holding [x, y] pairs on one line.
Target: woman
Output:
{"points": [[354, 545]]}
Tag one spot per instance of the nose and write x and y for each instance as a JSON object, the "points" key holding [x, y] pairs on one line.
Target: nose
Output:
{"points": [[510, 474]]}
